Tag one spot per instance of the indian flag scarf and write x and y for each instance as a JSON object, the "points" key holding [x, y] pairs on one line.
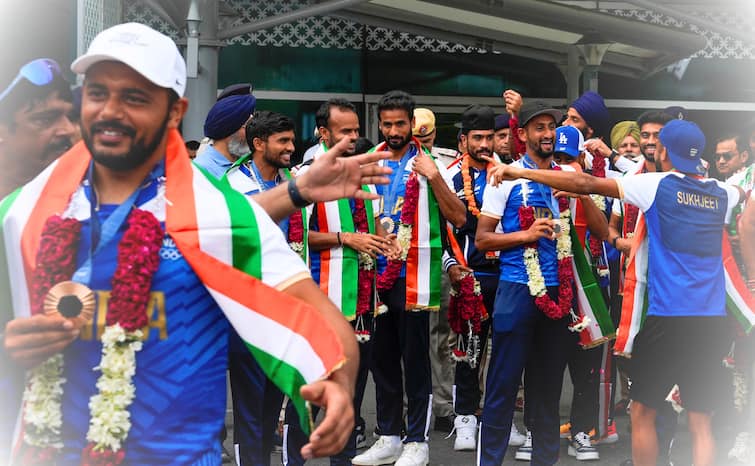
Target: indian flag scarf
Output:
{"points": [[739, 302], [590, 301], [339, 266], [215, 229], [423, 262]]}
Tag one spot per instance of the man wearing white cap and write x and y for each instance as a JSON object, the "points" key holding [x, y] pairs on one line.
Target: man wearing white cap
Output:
{"points": [[120, 297]]}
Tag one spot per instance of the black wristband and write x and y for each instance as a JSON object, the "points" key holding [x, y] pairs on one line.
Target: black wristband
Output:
{"points": [[613, 241], [338, 238], [296, 197]]}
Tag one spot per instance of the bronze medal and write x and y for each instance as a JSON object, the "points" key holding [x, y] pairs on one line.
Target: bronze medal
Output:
{"points": [[388, 224], [71, 300]]}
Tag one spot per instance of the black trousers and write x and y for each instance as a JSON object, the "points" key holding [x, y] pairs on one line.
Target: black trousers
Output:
{"points": [[402, 337]]}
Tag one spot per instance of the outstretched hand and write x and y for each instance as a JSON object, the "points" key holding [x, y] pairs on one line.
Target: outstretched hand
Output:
{"points": [[501, 172], [331, 435], [333, 175]]}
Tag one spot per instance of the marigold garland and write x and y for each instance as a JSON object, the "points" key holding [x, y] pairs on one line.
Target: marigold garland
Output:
{"points": [[137, 261], [466, 177]]}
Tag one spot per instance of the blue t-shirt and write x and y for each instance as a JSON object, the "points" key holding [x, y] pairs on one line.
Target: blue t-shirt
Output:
{"points": [[213, 161], [685, 219], [503, 202], [182, 314]]}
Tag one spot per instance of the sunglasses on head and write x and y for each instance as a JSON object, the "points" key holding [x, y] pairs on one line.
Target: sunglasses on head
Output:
{"points": [[726, 156], [39, 72]]}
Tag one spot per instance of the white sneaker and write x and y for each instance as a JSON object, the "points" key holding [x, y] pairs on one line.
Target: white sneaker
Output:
{"points": [[581, 448], [516, 439], [466, 433], [742, 450], [386, 450], [414, 454], [524, 453]]}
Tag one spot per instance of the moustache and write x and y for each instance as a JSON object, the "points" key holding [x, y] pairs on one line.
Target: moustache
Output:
{"points": [[112, 125]]}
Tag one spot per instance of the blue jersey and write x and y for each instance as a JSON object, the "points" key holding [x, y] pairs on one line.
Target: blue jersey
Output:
{"points": [[685, 218], [392, 197], [184, 357], [502, 202], [482, 263]]}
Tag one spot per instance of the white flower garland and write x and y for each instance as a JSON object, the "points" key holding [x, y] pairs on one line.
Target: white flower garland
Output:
{"points": [[110, 419], [404, 236], [42, 404], [535, 279]]}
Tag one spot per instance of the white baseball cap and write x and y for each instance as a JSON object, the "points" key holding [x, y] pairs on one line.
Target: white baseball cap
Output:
{"points": [[150, 53]]}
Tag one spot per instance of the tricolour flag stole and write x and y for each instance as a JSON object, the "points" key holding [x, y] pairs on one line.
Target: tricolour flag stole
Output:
{"points": [[423, 263], [590, 301], [739, 302], [222, 246], [339, 267], [635, 303]]}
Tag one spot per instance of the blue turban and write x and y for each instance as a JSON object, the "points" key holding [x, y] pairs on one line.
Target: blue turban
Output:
{"points": [[228, 115], [592, 109]]}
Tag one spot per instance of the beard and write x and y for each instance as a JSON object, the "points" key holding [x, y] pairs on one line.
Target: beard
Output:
{"points": [[540, 152], [479, 153], [139, 152], [398, 142], [238, 148], [648, 157], [276, 161]]}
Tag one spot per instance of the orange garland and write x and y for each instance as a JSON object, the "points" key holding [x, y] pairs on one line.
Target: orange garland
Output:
{"points": [[468, 191]]}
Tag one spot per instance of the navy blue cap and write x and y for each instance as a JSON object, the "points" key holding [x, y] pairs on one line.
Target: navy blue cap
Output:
{"points": [[502, 121], [567, 141], [685, 143], [679, 113]]}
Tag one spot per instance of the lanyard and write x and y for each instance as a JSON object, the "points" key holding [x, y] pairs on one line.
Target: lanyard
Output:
{"points": [[389, 200], [545, 191], [103, 234], [254, 172]]}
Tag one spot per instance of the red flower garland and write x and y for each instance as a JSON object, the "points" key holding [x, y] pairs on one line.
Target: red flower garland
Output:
{"points": [[389, 276], [366, 275], [466, 306], [56, 260], [565, 274], [598, 170], [296, 231], [137, 261]]}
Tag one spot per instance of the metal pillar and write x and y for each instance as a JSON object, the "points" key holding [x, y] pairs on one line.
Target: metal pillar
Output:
{"points": [[202, 89], [593, 48], [573, 72]]}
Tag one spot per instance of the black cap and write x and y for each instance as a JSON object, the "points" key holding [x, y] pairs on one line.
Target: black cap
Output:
{"points": [[235, 89], [502, 121], [477, 117], [531, 109]]}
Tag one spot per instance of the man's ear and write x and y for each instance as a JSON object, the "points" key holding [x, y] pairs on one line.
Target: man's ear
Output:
{"points": [[258, 145], [177, 112], [522, 134]]}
